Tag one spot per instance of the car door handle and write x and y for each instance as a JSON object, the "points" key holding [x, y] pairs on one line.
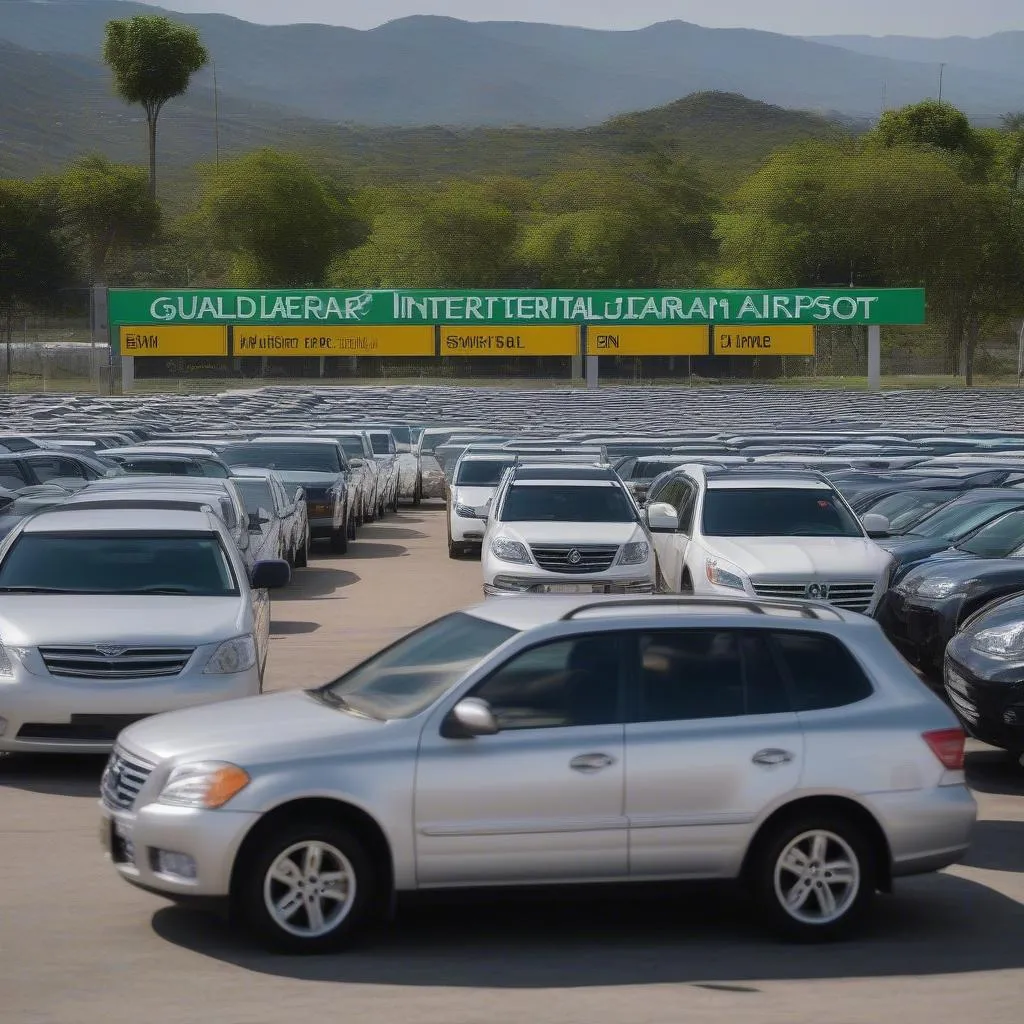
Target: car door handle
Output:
{"points": [[591, 762], [772, 756]]}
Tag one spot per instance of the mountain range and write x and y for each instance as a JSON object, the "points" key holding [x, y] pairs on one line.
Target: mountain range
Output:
{"points": [[428, 70]]}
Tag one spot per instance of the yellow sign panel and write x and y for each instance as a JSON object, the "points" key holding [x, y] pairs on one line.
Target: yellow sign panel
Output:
{"points": [[334, 341], [770, 340], [657, 340], [162, 340], [510, 340]]}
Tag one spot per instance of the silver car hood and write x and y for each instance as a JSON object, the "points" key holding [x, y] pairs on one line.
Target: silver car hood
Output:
{"points": [[802, 557], [33, 620], [570, 533], [248, 731]]}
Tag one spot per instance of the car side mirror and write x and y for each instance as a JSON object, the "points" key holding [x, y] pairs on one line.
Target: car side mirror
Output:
{"points": [[662, 517], [258, 519], [356, 463], [300, 495], [271, 574], [483, 511], [875, 525], [470, 718]]}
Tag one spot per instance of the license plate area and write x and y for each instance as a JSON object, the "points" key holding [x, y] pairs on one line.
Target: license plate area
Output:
{"points": [[572, 588]]}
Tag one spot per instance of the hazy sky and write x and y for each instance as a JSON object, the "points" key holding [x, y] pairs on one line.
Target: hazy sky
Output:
{"points": [[795, 17]]}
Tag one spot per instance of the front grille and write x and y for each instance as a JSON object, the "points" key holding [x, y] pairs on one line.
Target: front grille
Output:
{"points": [[575, 559], [115, 662], [854, 597], [123, 779], [81, 728]]}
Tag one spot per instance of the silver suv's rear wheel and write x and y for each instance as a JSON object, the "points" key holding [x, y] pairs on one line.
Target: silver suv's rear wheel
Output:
{"points": [[815, 877], [307, 888]]}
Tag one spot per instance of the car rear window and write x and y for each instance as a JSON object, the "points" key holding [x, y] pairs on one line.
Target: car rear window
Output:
{"points": [[191, 564], [822, 672]]}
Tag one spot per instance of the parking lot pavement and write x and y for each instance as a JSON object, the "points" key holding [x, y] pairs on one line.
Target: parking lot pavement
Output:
{"points": [[78, 946]]}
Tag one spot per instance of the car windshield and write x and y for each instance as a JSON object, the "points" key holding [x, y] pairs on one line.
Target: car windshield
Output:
{"points": [[255, 493], [567, 503], [191, 564], [777, 512], [904, 509], [958, 519], [481, 472], [295, 458], [353, 447], [997, 539], [406, 678]]}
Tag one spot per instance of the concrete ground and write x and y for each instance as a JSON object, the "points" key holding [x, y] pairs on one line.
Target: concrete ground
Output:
{"points": [[78, 946]]}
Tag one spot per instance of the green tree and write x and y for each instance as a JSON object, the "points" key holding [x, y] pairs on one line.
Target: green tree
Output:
{"points": [[153, 60], [34, 265], [105, 207], [462, 235], [641, 224], [936, 125], [281, 222]]}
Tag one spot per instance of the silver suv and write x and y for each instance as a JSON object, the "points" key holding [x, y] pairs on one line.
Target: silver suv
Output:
{"points": [[553, 740]]}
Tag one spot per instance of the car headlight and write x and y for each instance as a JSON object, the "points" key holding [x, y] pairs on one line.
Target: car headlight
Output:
{"points": [[208, 784], [238, 655], [722, 577], [509, 550], [634, 553], [1000, 641], [465, 512], [935, 588], [6, 665]]}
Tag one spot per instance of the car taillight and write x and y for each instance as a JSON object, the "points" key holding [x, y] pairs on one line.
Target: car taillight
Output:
{"points": [[948, 746]]}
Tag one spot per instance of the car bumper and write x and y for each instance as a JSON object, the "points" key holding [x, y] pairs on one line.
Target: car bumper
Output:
{"points": [[466, 531], [322, 526], [990, 712], [927, 829], [83, 716], [132, 841], [505, 585], [915, 630]]}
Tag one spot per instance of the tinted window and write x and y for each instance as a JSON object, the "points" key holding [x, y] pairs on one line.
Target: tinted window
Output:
{"points": [[162, 467], [312, 458], [698, 673], [960, 519], [686, 508], [47, 469], [11, 475], [822, 672], [255, 493], [353, 447], [481, 472], [998, 539], [404, 679], [105, 563], [777, 512], [561, 503], [557, 685]]}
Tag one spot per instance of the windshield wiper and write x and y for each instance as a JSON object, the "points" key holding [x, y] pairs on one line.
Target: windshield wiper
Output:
{"points": [[331, 699], [41, 590], [158, 590]]}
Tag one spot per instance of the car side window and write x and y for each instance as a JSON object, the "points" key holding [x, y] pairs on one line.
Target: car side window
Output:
{"points": [[57, 469], [561, 684], [822, 672], [692, 674], [11, 475], [687, 503]]}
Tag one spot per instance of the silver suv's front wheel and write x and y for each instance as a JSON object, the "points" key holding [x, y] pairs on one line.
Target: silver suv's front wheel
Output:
{"points": [[306, 888], [815, 877]]}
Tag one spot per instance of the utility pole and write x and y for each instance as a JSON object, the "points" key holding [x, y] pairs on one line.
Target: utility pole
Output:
{"points": [[216, 117], [942, 72]]}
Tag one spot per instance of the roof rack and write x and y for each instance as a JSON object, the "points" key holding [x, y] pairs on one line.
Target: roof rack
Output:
{"points": [[808, 609]]}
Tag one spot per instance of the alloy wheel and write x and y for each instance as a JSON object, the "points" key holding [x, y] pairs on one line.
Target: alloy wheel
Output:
{"points": [[309, 889]]}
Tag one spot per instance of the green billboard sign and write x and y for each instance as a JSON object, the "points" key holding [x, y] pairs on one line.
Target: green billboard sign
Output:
{"points": [[663, 307]]}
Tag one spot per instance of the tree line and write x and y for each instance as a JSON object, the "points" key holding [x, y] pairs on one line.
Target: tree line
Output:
{"points": [[925, 199]]}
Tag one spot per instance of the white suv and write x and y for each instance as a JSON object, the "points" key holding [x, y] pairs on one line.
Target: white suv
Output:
{"points": [[766, 533], [566, 529], [474, 481]]}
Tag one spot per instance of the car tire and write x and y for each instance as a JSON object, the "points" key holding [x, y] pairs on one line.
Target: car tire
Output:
{"points": [[827, 863], [329, 911], [686, 584], [455, 550], [417, 494], [350, 527], [302, 555], [339, 541]]}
